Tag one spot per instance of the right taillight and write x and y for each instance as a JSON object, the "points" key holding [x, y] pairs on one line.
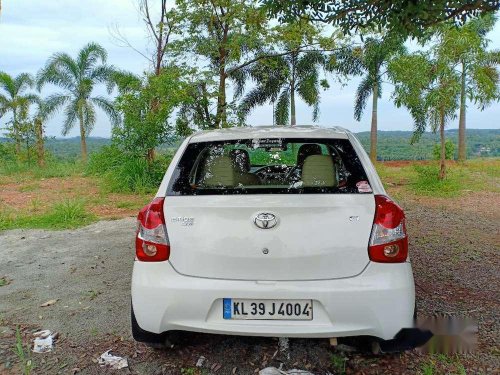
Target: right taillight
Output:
{"points": [[151, 241], [388, 241]]}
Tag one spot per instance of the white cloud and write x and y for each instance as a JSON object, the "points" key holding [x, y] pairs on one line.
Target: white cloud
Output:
{"points": [[31, 31]]}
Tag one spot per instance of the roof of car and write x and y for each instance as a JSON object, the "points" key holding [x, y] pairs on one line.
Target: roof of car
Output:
{"points": [[251, 132]]}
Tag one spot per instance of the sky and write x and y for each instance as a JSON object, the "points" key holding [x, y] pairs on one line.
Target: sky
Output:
{"points": [[32, 30]]}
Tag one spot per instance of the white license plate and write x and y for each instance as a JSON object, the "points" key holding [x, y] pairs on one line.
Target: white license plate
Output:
{"points": [[267, 309]]}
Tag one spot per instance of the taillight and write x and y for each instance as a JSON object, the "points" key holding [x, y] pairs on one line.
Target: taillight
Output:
{"points": [[388, 241], [151, 240]]}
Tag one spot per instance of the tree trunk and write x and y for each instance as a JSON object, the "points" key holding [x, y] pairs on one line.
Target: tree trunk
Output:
{"points": [[15, 129], [442, 159], [373, 132], [293, 120], [83, 140], [462, 152], [40, 148], [221, 115]]}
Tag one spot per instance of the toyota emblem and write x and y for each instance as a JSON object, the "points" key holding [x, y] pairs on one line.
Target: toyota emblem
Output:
{"points": [[265, 220]]}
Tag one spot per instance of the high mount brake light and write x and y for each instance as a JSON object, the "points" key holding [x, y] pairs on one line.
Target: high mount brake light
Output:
{"points": [[151, 241], [388, 240]]}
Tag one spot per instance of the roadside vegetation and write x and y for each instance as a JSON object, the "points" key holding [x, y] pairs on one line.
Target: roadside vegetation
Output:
{"points": [[236, 57]]}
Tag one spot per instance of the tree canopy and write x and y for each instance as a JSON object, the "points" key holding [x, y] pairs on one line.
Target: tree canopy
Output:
{"points": [[402, 16]]}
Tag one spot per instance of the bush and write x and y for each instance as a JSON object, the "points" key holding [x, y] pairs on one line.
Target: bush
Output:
{"points": [[127, 173], [449, 150], [427, 182]]}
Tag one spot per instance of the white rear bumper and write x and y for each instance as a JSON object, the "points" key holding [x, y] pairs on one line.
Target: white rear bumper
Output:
{"points": [[379, 302]]}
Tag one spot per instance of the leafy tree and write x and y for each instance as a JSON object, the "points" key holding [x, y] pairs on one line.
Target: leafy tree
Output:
{"points": [[146, 126], [229, 35], [429, 87], [402, 16], [78, 77], [16, 101], [371, 60], [479, 78]]}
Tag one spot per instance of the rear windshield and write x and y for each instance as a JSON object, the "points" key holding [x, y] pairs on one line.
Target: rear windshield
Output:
{"points": [[269, 166]]}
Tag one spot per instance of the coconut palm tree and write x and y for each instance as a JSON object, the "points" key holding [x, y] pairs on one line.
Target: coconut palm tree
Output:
{"points": [[78, 77], [279, 79], [16, 101], [479, 77], [370, 60]]}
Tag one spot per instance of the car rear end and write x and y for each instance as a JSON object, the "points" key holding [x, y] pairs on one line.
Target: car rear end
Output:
{"points": [[271, 234]]}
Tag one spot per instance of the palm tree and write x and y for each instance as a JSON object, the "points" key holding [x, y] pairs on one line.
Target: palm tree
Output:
{"points": [[370, 59], [15, 101], [77, 77], [279, 79], [479, 77]]}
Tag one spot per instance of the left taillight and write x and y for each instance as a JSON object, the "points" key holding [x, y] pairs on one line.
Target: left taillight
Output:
{"points": [[151, 240]]}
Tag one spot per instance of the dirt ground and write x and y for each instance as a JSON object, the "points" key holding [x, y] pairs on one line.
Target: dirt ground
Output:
{"points": [[454, 252]]}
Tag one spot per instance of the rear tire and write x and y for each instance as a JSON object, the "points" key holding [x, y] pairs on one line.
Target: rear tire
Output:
{"points": [[154, 340]]}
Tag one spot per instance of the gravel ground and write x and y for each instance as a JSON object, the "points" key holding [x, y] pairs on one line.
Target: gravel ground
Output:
{"points": [[456, 266]]}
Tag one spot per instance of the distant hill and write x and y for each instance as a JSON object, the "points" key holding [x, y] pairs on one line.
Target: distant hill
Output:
{"points": [[392, 145], [395, 145]]}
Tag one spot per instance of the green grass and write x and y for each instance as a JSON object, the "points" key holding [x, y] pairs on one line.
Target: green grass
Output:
{"points": [[422, 179], [4, 281], [23, 353], [53, 168], [68, 214], [338, 362]]}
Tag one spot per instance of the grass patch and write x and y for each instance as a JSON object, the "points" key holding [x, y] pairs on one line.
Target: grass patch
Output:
{"points": [[4, 281], [53, 168], [23, 353], [127, 205], [421, 178], [427, 182], [338, 362], [68, 214]]}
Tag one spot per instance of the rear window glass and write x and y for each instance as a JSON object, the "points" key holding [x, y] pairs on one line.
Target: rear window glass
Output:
{"points": [[269, 166]]}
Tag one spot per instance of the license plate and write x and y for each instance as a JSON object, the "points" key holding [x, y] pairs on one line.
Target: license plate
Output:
{"points": [[267, 309]]}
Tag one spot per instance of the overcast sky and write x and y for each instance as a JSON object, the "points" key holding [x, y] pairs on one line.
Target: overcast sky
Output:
{"points": [[32, 30]]}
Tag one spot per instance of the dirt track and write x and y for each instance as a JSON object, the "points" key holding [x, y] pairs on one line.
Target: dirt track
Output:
{"points": [[456, 266]]}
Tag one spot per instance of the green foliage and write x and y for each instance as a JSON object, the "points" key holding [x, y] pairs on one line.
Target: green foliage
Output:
{"points": [[466, 46], [404, 17], [78, 77], [227, 35], [449, 150], [124, 172], [147, 104], [14, 100], [279, 79], [338, 363], [63, 215], [23, 353], [427, 182]]}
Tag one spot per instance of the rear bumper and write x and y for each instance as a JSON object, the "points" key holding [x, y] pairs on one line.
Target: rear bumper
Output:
{"points": [[379, 302]]}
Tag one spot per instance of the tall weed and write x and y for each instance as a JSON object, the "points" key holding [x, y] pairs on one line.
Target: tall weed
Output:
{"points": [[123, 173]]}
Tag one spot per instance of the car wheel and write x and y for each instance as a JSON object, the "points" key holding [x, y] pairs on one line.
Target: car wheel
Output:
{"points": [[153, 340]]}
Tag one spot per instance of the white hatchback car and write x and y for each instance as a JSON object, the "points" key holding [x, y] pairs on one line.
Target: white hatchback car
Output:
{"points": [[272, 231]]}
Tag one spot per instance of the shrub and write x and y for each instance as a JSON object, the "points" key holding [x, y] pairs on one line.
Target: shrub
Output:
{"points": [[449, 150], [427, 182], [127, 173]]}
